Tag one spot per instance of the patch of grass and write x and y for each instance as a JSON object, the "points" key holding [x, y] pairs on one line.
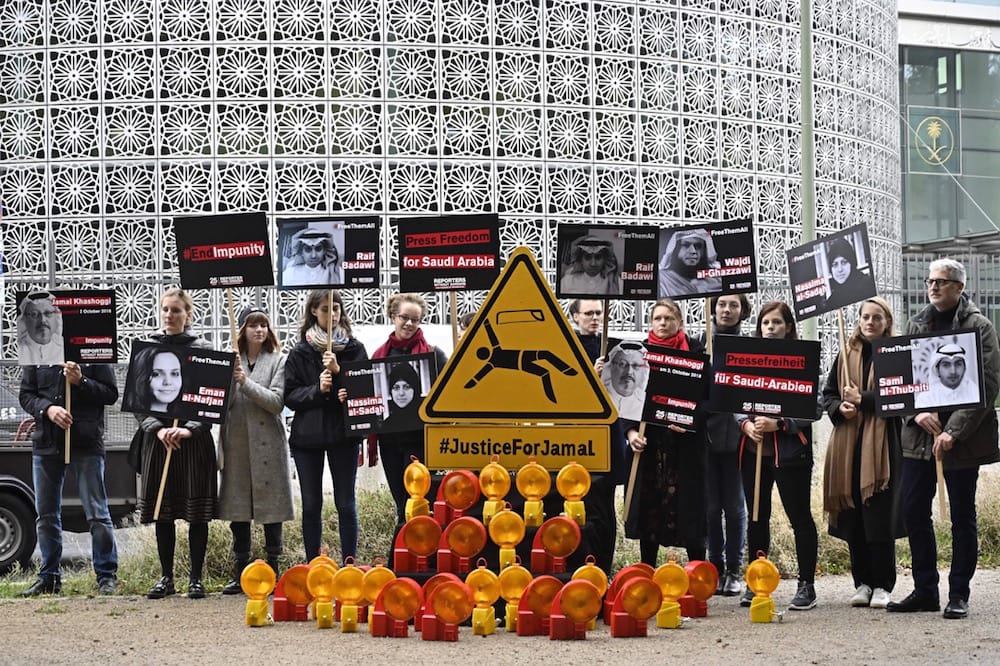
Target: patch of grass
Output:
{"points": [[140, 568], [53, 607]]}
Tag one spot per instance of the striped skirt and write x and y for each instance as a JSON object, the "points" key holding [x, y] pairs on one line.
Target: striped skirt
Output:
{"points": [[192, 488]]}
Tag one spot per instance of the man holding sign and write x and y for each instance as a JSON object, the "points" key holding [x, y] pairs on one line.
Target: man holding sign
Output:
{"points": [[43, 395], [962, 439]]}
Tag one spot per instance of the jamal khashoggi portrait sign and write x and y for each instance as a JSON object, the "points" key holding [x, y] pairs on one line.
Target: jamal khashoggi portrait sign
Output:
{"points": [[66, 325], [215, 251]]}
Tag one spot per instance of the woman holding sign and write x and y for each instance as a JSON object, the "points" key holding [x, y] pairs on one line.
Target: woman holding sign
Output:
{"points": [[255, 479], [191, 489], [406, 312], [786, 460], [313, 390], [668, 504], [861, 485]]}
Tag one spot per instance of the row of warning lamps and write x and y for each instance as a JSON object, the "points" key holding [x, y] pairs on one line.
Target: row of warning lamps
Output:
{"points": [[535, 605], [461, 489]]}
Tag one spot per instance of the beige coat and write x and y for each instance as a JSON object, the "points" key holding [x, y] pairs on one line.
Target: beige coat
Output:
{"points": [[254, 454]]}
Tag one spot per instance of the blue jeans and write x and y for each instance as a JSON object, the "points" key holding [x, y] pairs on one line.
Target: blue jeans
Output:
{"points": [[343, 460], [48, 473], [724, 496], [919, 488]]}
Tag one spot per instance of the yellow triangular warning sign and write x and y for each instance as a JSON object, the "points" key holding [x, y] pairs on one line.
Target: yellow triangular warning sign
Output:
{"points": [[519, 361]]}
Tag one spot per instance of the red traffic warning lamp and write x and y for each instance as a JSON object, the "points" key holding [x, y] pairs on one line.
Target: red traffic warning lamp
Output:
{"points": [[458, 492], [429, 586], [463, 539], [638, 600], [292, 597], [574, 609], [535, 607], [554, 541], [447, 606], [398, 601], [703, 580], [639, 570], [417, 540]]}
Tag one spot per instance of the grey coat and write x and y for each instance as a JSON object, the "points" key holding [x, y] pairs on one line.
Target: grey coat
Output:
{"points": [[255, 479]]}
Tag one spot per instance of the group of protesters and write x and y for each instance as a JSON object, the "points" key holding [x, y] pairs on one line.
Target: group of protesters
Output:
{"points": [[692, 487]]}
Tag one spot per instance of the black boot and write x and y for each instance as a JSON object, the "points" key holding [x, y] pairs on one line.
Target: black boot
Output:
{"points": [[272, 561], [240, 562]]}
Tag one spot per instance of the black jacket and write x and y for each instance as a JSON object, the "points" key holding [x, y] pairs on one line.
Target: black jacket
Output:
{"points": [[43, 386], [319, 417]]}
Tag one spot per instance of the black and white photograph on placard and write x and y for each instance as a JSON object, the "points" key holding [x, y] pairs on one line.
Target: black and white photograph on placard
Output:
{"points": [[611, 261], [311, 254], [936, 371], [707, 260], [624, 375], [39, 329], [832, 272], [177, 382]]}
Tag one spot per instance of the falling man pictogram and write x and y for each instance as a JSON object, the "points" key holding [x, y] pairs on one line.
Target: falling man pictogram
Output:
{"points": [[526, 360]]}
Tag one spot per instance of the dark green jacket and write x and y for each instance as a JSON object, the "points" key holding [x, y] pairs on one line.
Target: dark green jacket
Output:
{"points": [[975, 430]]}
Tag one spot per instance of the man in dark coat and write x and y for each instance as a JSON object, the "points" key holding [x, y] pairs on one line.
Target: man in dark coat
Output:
{"points": [[963, 439], [43, 395]]}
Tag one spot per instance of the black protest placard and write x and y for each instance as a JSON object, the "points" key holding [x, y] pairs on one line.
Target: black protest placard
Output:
{"points": [[831, 272], [606, 261], [928, 372], [176, 382], [215, 251], [328, 252], [448, 253], [66, 325], [769, 377], [384, 394], [677, 385], [707, 260]]}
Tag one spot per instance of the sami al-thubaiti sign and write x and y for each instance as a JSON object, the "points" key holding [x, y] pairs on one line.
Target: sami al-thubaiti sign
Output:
{"points": [[328, 252], [215, 251], [831, 272], [66, 325], [928, 372], [769, 377], [448, 253], [609, 261], [178, 382]]}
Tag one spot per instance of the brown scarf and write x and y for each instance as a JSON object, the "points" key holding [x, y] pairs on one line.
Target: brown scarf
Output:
{"points": [[838, 471]]}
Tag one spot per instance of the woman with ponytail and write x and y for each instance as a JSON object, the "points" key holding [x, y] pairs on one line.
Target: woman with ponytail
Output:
{"points": [[313, 390], [406, 312], [668, 503]]}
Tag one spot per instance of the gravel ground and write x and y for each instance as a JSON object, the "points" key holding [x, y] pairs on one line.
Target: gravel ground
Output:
{"points": [[180, 631]]}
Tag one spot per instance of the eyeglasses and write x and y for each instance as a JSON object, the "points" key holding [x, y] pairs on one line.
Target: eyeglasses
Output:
{"points": [[403, 319], [939, 282]]}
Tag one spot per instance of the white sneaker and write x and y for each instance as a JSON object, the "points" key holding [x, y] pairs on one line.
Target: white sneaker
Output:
{"points": [[880, 598], [862, 596]]}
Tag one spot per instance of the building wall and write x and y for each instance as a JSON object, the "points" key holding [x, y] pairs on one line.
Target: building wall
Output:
{"points": [[119, 115]]}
